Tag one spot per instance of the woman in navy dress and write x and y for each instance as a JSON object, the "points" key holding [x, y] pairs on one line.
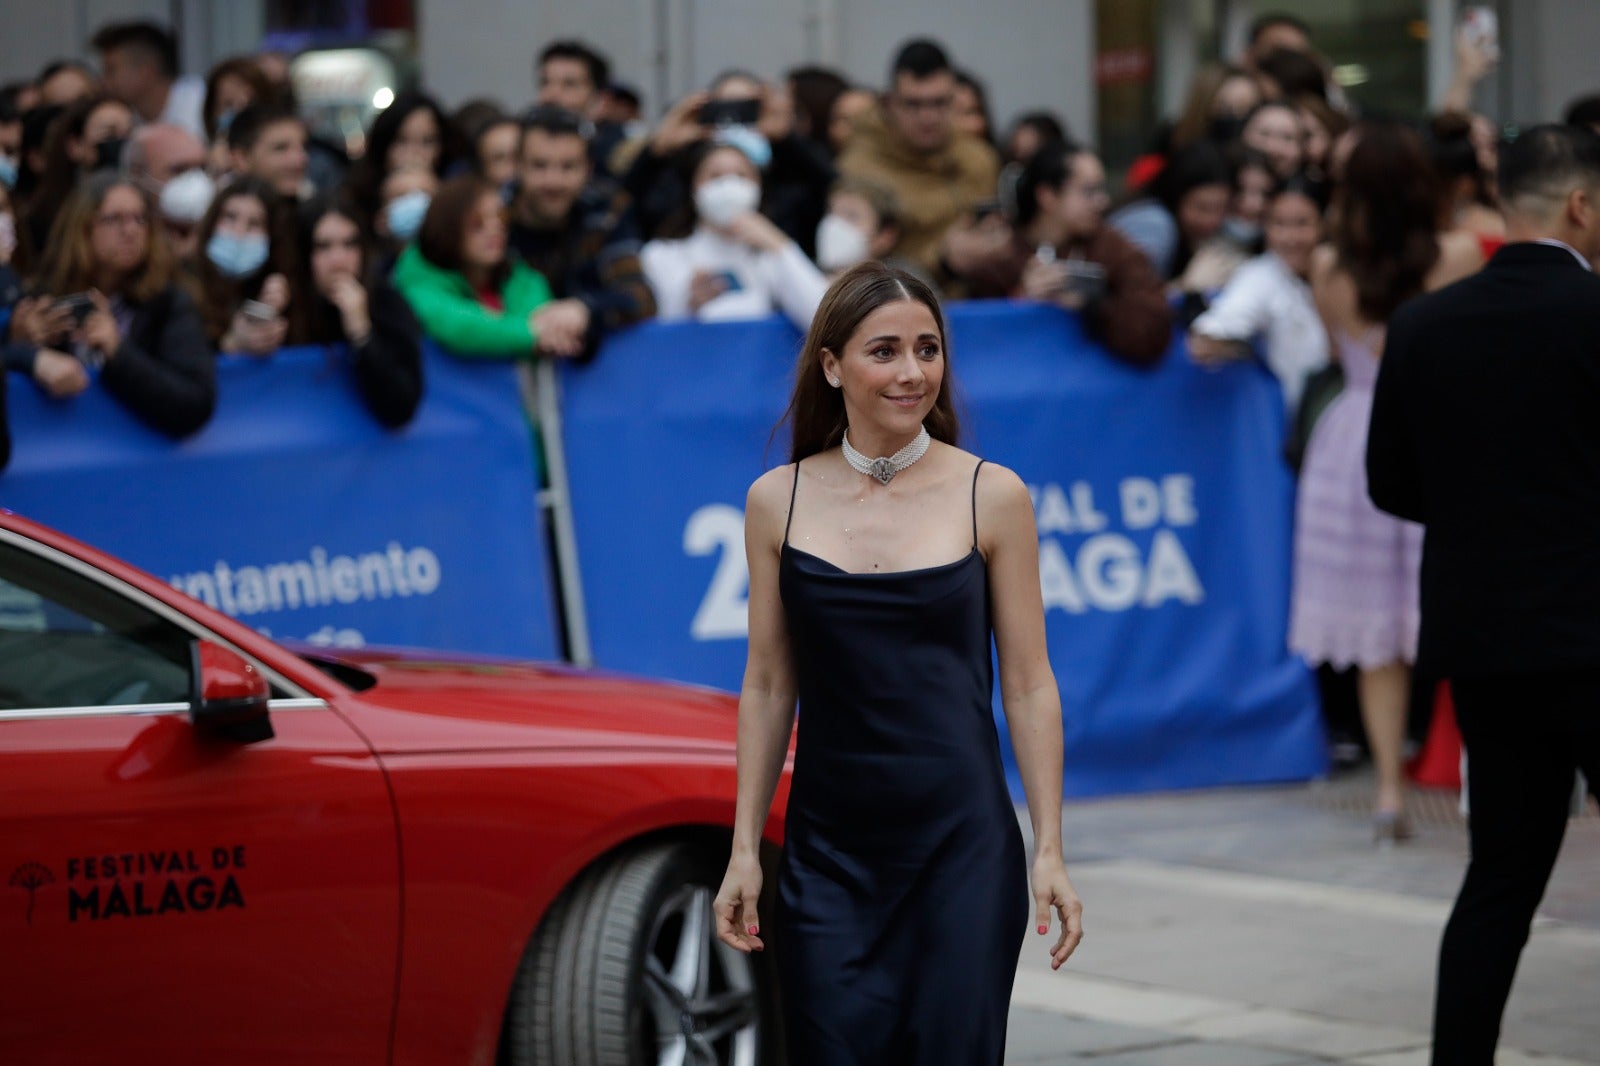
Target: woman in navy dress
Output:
{"points": [[882, 560]]}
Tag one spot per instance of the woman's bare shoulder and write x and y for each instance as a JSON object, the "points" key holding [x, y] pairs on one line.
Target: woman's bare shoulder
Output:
{"points": [[769, 494], [1460, 254], [1002, 494]]}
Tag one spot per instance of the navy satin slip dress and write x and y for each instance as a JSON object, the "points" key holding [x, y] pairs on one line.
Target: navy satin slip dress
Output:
{"points": [[903, 886]]}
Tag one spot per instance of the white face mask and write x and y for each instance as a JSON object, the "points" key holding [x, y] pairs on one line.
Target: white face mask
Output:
{"points": [[839, 244], [186, 197], [721, 200]]}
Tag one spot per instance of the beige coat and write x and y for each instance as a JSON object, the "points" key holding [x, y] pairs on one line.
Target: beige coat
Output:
{"points": [[934, 190]]}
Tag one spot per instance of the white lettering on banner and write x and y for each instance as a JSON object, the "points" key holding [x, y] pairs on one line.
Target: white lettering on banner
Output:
{"points": [[1109, 572], [724, 614], [317, 581]]}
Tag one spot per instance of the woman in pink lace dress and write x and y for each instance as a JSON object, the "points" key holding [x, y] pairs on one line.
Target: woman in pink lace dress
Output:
{"points": [[1354, 599]]}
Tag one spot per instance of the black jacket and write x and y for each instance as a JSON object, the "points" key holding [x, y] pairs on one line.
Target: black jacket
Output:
{"points": [[163, 371], [388, 366], [1486, 429]]}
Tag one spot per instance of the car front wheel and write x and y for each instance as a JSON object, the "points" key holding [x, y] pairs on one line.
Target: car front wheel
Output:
{"points": [[627, 970]]}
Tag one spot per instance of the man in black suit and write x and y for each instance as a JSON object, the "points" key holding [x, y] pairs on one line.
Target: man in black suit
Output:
{"points": [[1486, 429]]}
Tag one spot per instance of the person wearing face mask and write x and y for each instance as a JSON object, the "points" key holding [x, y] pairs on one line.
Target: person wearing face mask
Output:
{"points": [[798, 172], [731, 262], [88, 136], [577, 231], [1269, 298], [1239, 239], [381, 338], [246, 259], [231, 86], [182, 204], [412, 132], [403, 202], [139, 335], [10, 142], [863, 222]]}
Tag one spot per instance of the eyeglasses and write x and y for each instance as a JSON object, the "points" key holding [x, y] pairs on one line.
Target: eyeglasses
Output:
{"points": [[930, 104], [121, 220]]}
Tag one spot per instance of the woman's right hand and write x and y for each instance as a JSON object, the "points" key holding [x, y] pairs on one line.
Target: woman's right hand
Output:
{"points": [[680, 126], [40, 320], [59, 374], [738, 924]]}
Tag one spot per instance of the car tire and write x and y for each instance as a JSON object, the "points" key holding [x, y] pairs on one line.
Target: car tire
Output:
{"points": [[626, 970]]}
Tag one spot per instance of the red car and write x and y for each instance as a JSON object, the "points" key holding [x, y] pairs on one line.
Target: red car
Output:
{"points": [[219, 850]]}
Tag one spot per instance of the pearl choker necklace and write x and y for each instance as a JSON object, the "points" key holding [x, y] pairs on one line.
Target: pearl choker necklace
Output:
{"points": [[885, 467]]}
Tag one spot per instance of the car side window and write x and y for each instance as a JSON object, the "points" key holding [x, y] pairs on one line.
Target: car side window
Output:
{"points": [[69, 641]]}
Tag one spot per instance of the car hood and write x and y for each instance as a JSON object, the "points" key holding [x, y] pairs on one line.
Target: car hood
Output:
{"points": [[425, 701]]}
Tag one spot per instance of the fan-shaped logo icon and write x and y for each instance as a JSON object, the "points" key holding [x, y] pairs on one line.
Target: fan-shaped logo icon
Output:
{"points": [[32, 876]]}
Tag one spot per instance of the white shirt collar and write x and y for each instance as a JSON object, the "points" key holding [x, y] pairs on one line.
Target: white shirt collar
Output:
{"points": [[1552, 242]]}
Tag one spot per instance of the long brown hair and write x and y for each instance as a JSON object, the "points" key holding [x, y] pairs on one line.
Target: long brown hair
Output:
{"points": [[69, 264], [219, 296], [1387, 237], [444, 227], [61, 171], [816, 414]]}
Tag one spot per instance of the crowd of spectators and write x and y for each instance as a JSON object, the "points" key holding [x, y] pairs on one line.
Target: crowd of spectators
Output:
{"points": [[150, 221], [187, 216]]}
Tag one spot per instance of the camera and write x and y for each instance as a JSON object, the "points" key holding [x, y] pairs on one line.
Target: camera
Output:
{"points": [[730, 112]]}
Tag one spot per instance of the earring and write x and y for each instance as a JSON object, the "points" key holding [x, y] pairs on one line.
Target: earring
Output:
{"points": [[834, 382]]}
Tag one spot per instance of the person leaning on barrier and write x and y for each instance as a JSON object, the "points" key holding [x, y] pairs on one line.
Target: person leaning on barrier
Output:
{"points": [[577, 231], [467, 293], [109, 265], [722, 259], [347, 306], [247, 259], [1064, 252]]}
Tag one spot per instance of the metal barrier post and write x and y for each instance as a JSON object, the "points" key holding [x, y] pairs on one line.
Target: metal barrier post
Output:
{"points": [[541, 394]]}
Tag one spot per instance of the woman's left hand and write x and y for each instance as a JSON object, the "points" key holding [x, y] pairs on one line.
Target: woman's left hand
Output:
{"points": [[100, 330], [1052, 890]]}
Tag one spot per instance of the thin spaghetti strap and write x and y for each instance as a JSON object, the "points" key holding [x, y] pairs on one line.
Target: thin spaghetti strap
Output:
{"points": [[789, 519], [974, 503]]}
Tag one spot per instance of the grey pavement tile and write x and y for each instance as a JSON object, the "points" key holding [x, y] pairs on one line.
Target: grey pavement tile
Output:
{"points": [[1197, 1053], [1034, 1033]]}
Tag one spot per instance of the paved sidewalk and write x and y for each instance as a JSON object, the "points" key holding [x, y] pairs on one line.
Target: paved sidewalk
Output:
{"points": [[1260, 927]]}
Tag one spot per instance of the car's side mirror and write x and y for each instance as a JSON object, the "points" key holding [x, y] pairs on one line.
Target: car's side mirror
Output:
{"points": [[228, 695]]}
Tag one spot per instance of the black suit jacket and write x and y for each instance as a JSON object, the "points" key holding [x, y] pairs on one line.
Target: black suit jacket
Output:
{"points": [[1486, 429]]}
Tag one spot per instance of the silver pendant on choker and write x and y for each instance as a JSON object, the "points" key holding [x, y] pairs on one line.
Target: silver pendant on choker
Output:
{"points": [[885, 467]]}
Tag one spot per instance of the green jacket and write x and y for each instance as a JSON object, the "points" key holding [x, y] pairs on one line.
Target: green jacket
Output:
{"points": [[451, 314]]}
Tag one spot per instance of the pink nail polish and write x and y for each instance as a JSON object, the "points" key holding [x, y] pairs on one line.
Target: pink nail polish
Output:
{"points": [[1043, 929], [754, 930]]}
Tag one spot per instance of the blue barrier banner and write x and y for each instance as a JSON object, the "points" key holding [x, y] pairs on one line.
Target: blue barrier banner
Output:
{"points": [[1163, 504], [296, 512]]}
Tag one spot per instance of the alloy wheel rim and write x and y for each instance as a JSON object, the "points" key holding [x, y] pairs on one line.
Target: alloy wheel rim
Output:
{"points": [[700, 995]]}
